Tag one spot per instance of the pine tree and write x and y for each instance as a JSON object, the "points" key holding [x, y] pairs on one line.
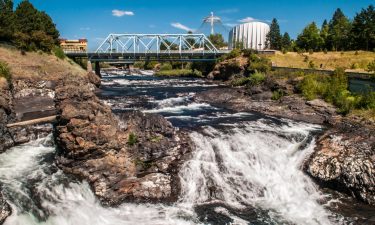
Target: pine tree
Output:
{"points": [[286, 42], [49, 27], [274, 37], [339, 30], [310, 38], [324, 31], [363, 29], [6, 20]]}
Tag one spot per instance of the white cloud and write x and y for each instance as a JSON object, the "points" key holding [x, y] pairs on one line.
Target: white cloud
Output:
{"points": [[151, 26], [181, 27], [85, 28], [247, 20], [120, 13]]}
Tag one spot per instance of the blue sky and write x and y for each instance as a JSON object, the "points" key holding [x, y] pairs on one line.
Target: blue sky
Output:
{"points": [[95, 19]]}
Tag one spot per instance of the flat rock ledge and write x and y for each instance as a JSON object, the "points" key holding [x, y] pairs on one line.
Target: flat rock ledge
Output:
{"points": [[345, 160], [127, 157]]}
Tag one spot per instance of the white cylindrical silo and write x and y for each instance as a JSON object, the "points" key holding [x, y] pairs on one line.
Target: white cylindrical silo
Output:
{"points": [[249, 35]]}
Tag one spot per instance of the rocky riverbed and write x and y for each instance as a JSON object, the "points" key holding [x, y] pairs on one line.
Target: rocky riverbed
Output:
{"points": [[132, 156]]}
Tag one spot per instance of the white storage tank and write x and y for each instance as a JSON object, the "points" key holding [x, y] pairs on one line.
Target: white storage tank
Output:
{"points": [[250, 35]]}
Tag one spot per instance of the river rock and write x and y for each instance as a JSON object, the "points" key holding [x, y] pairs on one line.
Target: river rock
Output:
{"points": [[345, 160], [132, 156], [6, 115], [5, 209]]}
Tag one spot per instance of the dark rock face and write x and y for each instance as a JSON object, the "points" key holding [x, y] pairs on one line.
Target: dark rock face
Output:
{"points": [[345, 160], [5, 209], [132, 156], [6, 115]]}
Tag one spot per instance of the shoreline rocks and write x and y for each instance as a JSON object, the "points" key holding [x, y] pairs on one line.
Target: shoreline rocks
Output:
{"points": [[5, 209], [344, 160], [129, 157]]}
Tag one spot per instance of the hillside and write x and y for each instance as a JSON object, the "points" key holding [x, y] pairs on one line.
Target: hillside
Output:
{"points": [[348, 60], [37, 65]]}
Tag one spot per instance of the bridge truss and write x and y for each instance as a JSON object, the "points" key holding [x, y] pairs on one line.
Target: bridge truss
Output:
{"points": [[128, 48]]}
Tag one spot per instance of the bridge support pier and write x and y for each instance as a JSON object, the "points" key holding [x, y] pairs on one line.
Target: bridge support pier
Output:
{"points": [[97, 69]]}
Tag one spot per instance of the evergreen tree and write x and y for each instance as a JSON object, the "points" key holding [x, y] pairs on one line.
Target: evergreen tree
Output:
{"points": [[49, 27], [339, 30], [6, 20], [34, 29], [217, 40], [324, 31], [274, 37], [363, 29], [286, 42], [310, 38]]}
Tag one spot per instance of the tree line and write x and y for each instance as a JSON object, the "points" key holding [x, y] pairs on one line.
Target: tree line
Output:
{"points": [[338, 34], [26, 27]]}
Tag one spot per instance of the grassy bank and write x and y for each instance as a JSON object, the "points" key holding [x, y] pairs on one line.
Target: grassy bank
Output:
{"points": [[351, 60], [38, 65], [179, 73]]}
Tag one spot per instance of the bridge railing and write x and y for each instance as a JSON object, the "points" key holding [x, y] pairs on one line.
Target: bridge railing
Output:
{"points": [[157, 44]]}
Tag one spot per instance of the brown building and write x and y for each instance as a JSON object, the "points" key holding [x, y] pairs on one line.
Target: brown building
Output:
{"points": [[79, 45]]}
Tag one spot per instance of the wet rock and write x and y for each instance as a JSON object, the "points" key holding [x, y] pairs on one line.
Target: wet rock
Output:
{"points": [[5, 209], [132, 156], [345, 160], [6, 116]]}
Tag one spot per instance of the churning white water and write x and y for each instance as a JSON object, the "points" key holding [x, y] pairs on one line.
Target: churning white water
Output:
{"points": [[247, 165]]}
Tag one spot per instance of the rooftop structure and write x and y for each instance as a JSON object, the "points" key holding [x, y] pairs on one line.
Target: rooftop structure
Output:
{"points": [[79, 45]]}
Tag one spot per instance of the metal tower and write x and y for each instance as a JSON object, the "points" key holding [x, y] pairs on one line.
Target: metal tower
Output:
{"points": [[212, 21]]}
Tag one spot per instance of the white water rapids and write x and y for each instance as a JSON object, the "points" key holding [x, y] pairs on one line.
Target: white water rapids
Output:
{"points": [[252, 164]]}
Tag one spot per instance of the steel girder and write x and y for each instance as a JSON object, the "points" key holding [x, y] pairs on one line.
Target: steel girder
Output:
{"points": [[163, 44]]}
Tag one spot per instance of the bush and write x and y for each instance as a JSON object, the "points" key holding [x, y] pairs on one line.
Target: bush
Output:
{"points": [[311, 65], [139, 65], [165, 66], [132, 139], [240, 81], [311, 51], [5, 71], [233, 54], [371, 67], [58, 52], [276, 95], [256, 78], [179, 73], [258, 64]]}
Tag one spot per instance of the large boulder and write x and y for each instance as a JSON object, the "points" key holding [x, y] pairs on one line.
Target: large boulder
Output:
{"points": [[345, 160], [132, 156]]}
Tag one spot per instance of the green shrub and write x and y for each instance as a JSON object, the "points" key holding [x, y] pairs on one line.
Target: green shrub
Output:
{"points": [[311, 65], [240, 81], [58, 52], [256, 78], [325, 51], [132, 139], [165, 66], [258, 64], [5, 71], [311, 51], [306, 59], [276, 95], [248, 52], [179, 73], [233, 54], [371, 67], [354, 66], [139, 65]]}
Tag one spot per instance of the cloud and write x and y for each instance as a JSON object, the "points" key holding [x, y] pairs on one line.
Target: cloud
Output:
{"points": [[181, 27], [228, 11], [85, 28], [151, 26], [120, 13], [247, 20]]}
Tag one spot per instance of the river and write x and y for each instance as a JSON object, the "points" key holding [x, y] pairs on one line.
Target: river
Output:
{"points": [[245, 169]]}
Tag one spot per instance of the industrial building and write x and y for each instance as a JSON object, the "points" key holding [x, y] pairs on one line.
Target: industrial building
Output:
{"points": [[79, 45], [250, 35]]}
